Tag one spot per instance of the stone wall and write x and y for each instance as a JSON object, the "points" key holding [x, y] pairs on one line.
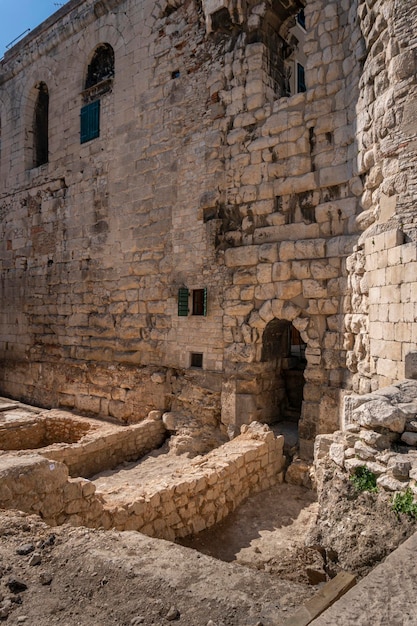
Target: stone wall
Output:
{"points": [[206, 174], [294, 196], [380, 433], [85, 446], [107, 447], [382, 300], [20, 431], [203, 494], [93, 244]]}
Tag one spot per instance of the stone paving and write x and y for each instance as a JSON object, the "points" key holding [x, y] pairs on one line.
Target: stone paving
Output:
{"points": [[386, 597]]}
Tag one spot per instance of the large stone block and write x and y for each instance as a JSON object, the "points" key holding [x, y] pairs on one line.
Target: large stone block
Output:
{"points": [[380, 413]]}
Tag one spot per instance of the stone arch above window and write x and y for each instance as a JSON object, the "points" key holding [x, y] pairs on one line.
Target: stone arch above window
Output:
{"points": [[100, 72], [41, 125]]}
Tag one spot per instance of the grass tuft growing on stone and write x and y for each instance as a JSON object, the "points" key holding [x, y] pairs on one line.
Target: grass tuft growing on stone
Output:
{"points": [[363, 479]]}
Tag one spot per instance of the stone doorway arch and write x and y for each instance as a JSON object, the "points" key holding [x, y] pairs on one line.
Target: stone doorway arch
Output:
{"points": [[283, 352], [254, 387]]}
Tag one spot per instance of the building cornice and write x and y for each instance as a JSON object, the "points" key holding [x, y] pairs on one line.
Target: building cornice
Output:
{"points": [[73, 17]]}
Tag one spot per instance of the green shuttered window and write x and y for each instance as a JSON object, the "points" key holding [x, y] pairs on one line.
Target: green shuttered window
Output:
{"points": [[90, 121], [199, 301], [183, 302]]}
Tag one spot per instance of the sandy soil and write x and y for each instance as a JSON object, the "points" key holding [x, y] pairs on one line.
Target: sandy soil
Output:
{"points": [[267, 532]]}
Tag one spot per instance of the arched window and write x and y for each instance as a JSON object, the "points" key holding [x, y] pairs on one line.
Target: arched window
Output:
{"points": [[98, 82], [40, 126], [101, 67]]}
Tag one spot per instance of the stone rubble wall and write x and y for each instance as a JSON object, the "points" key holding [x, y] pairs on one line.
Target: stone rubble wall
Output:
{"points": [[123, 392], [108, 447], [22, 432], [86, 446], [380, 433], [198, 497]]}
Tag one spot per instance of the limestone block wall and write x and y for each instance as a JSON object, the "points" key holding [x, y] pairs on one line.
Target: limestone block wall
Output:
{"points": [[292, 202], [107, 447], [265, 185], [208, 490], [85, 446], [206, 175], [18, 431], [96, 242], [381, 322], [380, 433]]}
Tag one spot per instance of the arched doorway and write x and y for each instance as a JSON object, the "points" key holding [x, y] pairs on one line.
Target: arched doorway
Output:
{"points": [[283, 352]]}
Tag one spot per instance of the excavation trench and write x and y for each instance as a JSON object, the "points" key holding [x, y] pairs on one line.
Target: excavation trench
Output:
{"points": [[231, 503]]}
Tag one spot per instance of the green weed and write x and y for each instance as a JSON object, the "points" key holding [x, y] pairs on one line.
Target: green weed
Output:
{"points": [[363, 479], [404, 503]]}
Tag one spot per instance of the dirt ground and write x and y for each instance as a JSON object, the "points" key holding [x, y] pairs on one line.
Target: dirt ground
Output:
{"points": [[253, 569], [79, 577], [355, 531], [267, 532]]}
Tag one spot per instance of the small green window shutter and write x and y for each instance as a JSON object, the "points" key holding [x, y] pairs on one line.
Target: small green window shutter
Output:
{"points": [[183, 302], [90, 121], [205, 301]]}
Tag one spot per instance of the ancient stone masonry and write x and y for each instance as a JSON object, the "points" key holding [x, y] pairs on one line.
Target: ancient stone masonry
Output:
{"points": [[381, 313], [196, 497], [224, 225], [380, 433]]}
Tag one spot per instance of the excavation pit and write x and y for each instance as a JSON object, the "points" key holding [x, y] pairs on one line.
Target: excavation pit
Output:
{"points": [[189, 496], [20, 430], [85, 445]]}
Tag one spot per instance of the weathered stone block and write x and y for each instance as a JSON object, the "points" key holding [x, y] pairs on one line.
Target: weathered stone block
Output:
{"points": [[380, 414]]}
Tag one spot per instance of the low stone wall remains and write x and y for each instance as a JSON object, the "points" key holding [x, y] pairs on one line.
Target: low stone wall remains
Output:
{"points": [[21, 429], [108, 445], [380, 432], [203, 494], [86, 446]]}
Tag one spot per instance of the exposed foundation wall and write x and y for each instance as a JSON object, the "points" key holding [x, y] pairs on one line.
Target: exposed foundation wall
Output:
{"points": [[85, 446], [126, 393], [206, 492], [39, 431], [106, 449]]}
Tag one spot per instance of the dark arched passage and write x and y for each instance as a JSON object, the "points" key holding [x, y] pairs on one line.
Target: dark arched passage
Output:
{"points": [[284, 352]]}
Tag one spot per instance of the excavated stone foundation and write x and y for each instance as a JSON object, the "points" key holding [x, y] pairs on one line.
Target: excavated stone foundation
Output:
{"points": [[192, 495]]}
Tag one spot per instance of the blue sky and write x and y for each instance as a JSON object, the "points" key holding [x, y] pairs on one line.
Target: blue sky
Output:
{"points": [[18, 15]]}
